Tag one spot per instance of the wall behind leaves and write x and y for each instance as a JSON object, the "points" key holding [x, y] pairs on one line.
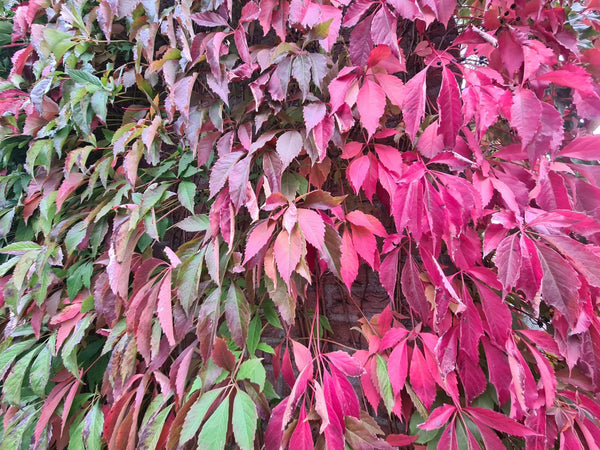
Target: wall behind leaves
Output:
{"points": [[186, 184]]}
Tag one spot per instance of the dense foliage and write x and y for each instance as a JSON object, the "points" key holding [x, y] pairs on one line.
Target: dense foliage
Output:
{"points": [[180, 179]]}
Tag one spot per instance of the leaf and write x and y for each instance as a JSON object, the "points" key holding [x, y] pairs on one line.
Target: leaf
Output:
{"points": [[413, 104], [438, 418], [421, 379], [288, 251], [14, 380], [371, 105], [288, 146], [560, 283], [313, 114], [92, 428], [274, 431], [312, 226], [498, 422], [349, 258], [584, 147], [164, 309], [39, 373], [398, 367], [508, 261], [185, 193], [302, 437], [450, 108], [196, 414], [214, 432], [301, 71], [253, 370], [345, 363], [413, 289], [222, 356], [237, 314], [525, 114], [258, 237], [359, 218], [220, 171], [244, 417]]}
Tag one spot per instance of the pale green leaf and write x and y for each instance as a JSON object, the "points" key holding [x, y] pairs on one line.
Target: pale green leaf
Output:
{"points": [[40, 372], [214, 432], [196, 414], [253, 370], [244, 418]]}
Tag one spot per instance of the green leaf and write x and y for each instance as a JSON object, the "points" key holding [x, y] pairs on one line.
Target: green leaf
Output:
{"points": [[265, 348], [75, 236], [214, 432], [57, 42], [151, 431], [385, 387], [40, 372], [83, 77], [99, 101], [14, 380], [254, 331], [193, 224], [253, 370], [185, 193], [196, 414], [10, 352], [92, 428], [12, 439], [244, 418], [18, 248], [69, 350]]}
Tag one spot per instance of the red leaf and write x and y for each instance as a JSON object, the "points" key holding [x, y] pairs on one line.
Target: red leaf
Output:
{"points": [[302, 437], [398, 367], [357, 172], [413, 290], [400, 440], [570, 76], [365, 245], [560, 283], [345, 363], [525, 115], [413, 104], [371, 104], [50, 405], [438, 418], [498, 421], [508, 261], [164, 309], [421, 379], [450, 108], [547, 375], [222, 356], [68, 186], [288, 251], [288, 146], [238, 180], [274, 431], [388, 272]]}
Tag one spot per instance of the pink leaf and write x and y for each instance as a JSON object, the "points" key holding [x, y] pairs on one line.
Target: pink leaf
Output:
{"points": [[585, 147], [274, 431], [413, 104], [365, 245], [525, 115], [508, 261], [388, 272], [313, 114], [164, 308], [421, 379], [302, 355], [258, 238], [357, 172], [312, 226], [288, 146], [450, 108], [498, 421], [349, 269], [398, 367], [359, 218], [302, 437], [220, 171], [371, 104], [438, 418], [413, 290], [288, 251], [345, 363]]}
